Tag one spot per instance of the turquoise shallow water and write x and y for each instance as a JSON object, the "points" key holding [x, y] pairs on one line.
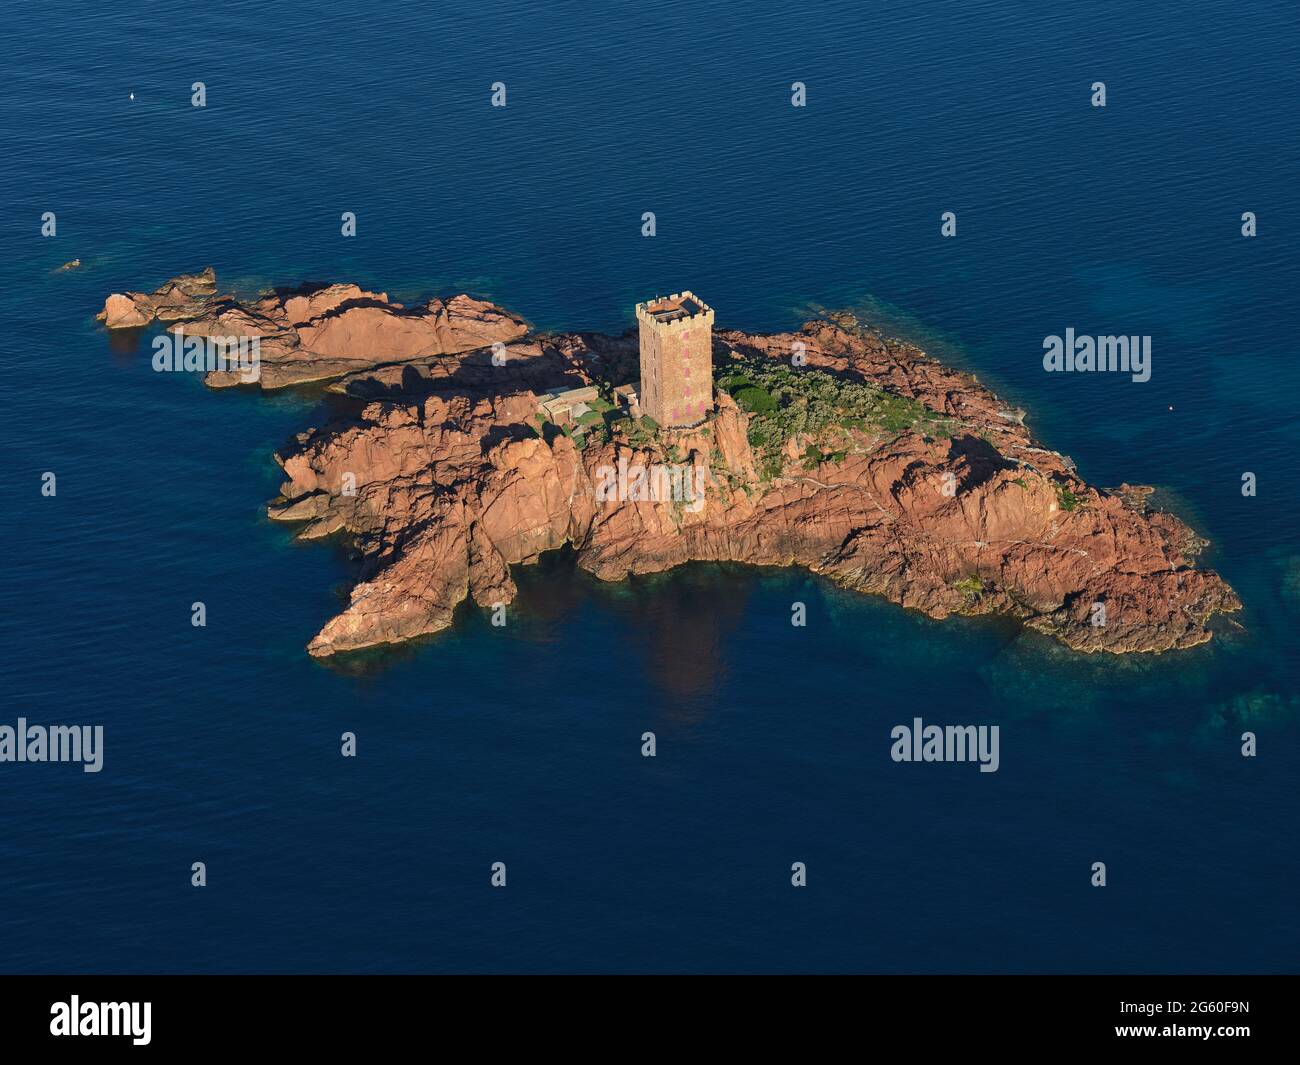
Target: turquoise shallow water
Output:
{"points": [[522, 745]]}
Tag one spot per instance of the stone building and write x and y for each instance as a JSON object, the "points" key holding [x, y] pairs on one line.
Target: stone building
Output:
{"points": [[564, 406], [676, 359]]}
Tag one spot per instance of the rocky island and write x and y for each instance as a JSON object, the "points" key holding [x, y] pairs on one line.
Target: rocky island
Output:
{"points": [[471, 444]]}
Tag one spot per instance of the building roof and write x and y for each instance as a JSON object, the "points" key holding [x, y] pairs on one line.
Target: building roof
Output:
{"points": [[670, 308], [572, 395]]}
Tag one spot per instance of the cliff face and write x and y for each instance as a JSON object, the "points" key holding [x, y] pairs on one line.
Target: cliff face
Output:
{"points": [[868, 463]]}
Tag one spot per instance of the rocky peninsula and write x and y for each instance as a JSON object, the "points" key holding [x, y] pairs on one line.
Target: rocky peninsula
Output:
{"points": [[834, 448]]}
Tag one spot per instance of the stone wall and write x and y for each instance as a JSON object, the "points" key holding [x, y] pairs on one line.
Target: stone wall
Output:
{"points": [[677, 365]]}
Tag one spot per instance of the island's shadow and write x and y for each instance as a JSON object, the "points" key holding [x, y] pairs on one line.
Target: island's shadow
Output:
{"points": [[678, 620]]}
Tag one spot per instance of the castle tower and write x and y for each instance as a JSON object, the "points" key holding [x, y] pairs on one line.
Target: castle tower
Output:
{"points": [[676, 359]]}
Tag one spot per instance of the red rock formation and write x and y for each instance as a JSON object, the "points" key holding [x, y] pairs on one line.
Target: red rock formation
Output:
{"points": [[315, 333], [444, 478], [180, 299]]}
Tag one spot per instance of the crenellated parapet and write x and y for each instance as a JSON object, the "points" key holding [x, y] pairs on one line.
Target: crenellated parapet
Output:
{"points": [[675, 312]]}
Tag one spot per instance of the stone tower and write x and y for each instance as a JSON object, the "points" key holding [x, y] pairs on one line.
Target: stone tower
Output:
{"points": [[676, 359]]}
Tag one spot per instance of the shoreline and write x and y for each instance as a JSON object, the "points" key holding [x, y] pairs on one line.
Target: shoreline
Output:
{"points": [[863, 460]]}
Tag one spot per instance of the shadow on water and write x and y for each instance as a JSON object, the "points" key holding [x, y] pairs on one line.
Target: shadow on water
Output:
{"points": [[679, 619], [126, 344], [682, 625]]}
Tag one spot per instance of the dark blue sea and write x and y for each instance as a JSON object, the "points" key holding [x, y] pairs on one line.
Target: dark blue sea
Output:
{"points": [[522, 745]]}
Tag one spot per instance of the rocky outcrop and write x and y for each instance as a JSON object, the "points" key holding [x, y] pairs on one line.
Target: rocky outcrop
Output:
{"points": [[876, 467], [314, 332], [181, 299], [455, 483]]}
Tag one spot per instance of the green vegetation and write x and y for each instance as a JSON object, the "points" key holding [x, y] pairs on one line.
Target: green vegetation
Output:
{"points": [[813, 456], [971, 588], [1065, 498], [640, 432], [785, 403], [600, 405], [769, 466], [732, 383], [755, 400]]}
